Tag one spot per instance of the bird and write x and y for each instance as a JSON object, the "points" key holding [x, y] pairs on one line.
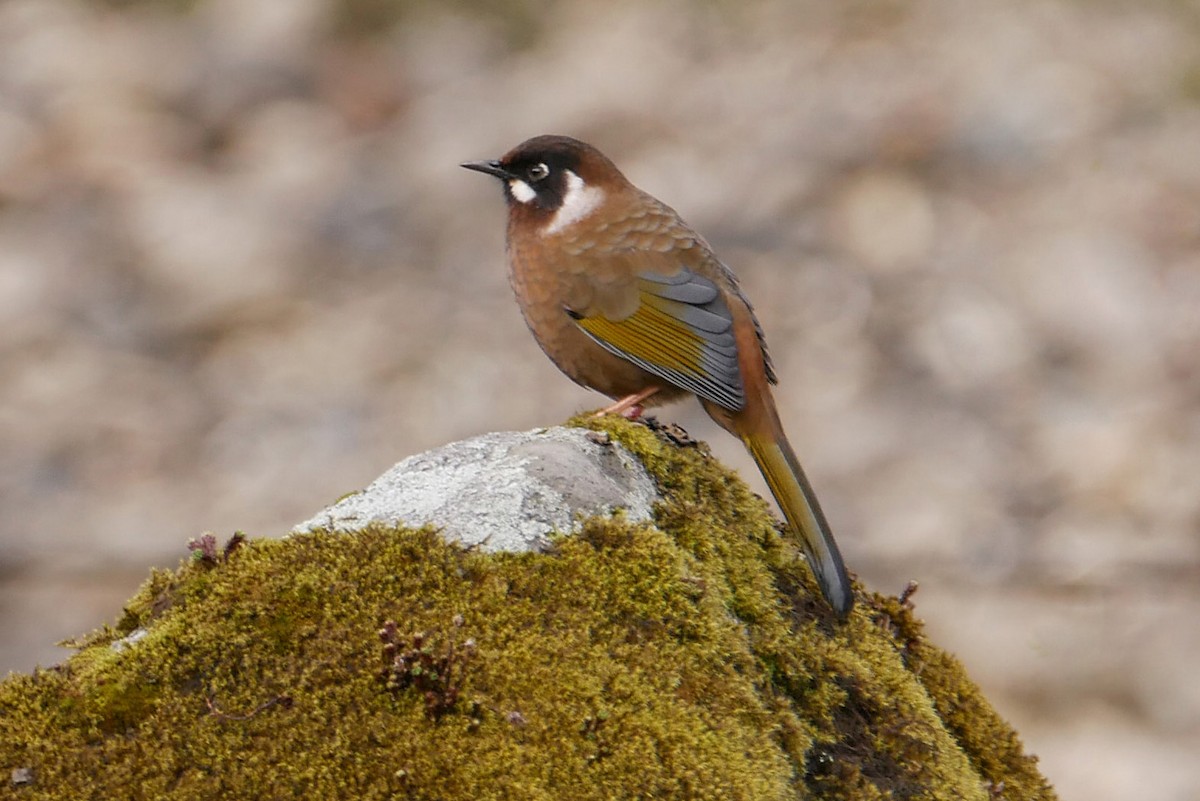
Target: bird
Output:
{"points": [[626, 299]]}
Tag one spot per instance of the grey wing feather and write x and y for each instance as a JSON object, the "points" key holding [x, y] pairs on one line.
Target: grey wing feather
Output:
{"points": [[768, 365], [685, 287], [696, 302]]}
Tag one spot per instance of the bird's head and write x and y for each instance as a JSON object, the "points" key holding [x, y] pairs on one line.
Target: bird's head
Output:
{"points": [[554, 181]]}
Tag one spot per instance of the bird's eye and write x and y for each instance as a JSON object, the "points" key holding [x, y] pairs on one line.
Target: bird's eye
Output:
{"points": [[538, 171]]}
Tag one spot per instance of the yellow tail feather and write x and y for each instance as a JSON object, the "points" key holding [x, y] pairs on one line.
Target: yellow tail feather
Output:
{"points": [[796, 498]]}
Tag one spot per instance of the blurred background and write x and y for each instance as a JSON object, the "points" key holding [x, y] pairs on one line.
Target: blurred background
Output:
{"points": [[242, 274]]}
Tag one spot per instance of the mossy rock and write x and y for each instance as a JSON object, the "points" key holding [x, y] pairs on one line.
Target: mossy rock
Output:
{"points": [[690, 659]]}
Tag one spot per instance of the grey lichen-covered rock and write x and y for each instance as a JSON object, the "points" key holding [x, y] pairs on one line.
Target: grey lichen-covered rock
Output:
{"points": [[503, 491]]}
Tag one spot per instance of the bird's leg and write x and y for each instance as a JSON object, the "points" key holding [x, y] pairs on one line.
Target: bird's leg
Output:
{"points": [[629, 406]]}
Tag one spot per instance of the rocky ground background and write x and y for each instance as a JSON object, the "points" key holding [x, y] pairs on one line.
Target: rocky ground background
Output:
{"points": [[241, 275]]}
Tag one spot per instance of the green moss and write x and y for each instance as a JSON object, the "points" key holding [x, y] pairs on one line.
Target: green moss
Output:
{"points": [[691, 659]]}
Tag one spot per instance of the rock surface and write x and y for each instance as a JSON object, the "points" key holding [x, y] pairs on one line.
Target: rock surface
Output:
{"points": [[503, 491]]}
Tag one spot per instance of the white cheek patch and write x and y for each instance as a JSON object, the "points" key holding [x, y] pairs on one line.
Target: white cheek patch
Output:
{"points": [[521, 190], [579, 201]]}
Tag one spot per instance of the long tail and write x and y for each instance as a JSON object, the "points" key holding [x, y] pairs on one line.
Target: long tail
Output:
{"points": [[796, 498]]}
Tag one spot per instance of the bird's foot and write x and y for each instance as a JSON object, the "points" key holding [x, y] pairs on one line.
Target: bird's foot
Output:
{"points": [[630, 406]]}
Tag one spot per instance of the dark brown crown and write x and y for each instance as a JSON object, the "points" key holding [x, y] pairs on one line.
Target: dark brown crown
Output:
{"points": [[555, 156]]}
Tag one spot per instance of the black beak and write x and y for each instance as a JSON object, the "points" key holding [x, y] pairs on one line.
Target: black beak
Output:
{"points": [[492, 167]]}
